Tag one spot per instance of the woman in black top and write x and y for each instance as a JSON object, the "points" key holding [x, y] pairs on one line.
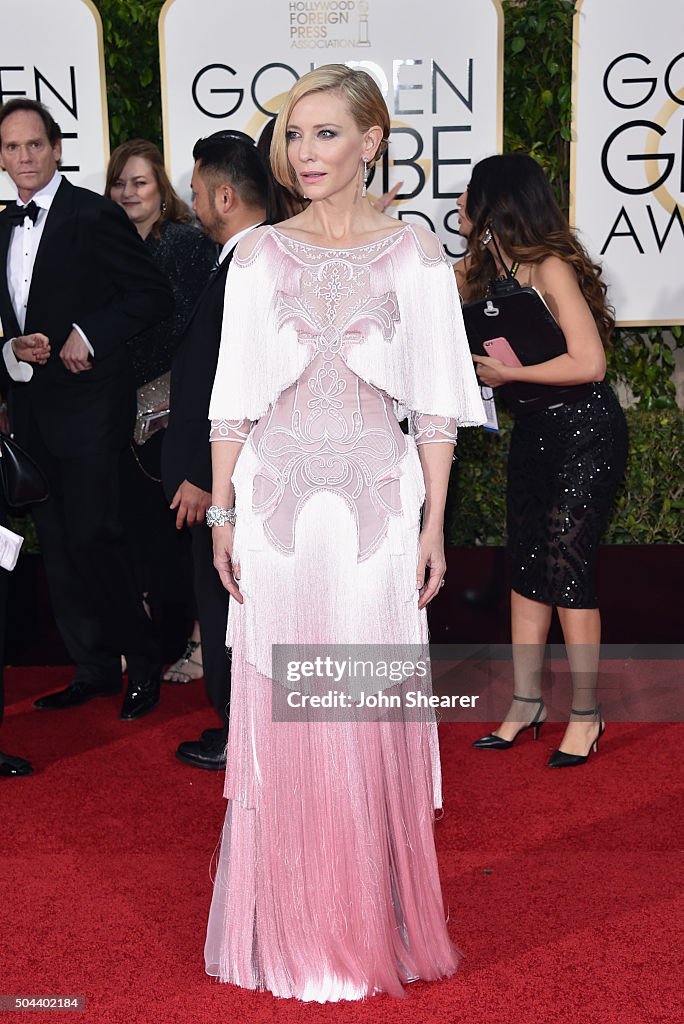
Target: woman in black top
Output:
{"points": [[137, 181], [567, 458]]}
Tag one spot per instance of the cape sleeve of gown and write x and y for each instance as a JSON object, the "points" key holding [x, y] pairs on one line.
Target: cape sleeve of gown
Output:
{"points": [[421, 359], [258, 358], [430, 373]]}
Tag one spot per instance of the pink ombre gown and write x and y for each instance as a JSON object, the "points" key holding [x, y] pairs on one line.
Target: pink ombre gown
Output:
{"points": [[327, 884]]}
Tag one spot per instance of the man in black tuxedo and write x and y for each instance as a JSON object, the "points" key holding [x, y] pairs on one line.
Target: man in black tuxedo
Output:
{"points": [[76, 279], [230, 193]]}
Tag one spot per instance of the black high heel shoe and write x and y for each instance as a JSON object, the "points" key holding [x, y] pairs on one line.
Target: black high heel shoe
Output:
{"points": [[492, 742], [559, 759]]}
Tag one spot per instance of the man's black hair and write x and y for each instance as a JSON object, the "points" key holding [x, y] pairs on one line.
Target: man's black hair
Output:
{"points": [[233, 157]]}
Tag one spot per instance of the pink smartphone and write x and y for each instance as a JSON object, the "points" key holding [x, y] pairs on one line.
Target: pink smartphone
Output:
{"points": [[501, 350]]}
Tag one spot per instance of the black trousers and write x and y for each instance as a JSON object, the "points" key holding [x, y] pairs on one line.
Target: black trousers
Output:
{"points": [[161, 553], [212, 612], [95, 598]]}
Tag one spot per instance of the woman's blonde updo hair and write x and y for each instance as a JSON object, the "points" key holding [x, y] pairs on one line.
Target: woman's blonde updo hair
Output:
{"points": [[362, 96]]}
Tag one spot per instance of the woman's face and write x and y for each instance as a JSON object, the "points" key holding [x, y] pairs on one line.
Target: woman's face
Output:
{"points": [[325, 146], [465, 224], [136, 189]]}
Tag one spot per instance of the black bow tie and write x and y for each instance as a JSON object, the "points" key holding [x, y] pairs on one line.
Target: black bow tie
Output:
{"points": [[17, 213]]}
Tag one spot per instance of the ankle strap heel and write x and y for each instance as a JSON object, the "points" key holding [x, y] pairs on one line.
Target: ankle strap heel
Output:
{"points": [[535, 725], [559, 759], [494, 742]]}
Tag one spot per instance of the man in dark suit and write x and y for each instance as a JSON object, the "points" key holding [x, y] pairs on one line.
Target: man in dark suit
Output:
{"points": [[230, 193], [76, 277]]}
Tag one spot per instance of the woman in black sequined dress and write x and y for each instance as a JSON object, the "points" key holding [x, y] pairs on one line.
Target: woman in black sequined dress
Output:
{"points": [[137, 181], [567, 458]]}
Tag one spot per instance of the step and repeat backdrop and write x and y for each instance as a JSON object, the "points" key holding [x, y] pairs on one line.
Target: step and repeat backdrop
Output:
{"points": [[51, 50], [226, 64], [627, 176], [229, 64]]}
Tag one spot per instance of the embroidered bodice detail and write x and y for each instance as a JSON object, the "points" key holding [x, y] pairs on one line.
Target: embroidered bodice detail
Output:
{"points": [[332, 430], [334, 300]]}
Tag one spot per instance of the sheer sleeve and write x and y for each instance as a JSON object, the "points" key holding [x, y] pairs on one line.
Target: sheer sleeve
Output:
{"points": [[230, 430], [425, 428]]}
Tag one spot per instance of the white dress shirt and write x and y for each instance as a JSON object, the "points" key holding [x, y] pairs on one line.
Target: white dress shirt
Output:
{"points": [[234, 239], [23, 247]]}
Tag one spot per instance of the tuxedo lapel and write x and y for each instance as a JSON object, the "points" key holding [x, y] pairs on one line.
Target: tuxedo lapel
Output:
{"points": [[10, 326], [59, 212]]}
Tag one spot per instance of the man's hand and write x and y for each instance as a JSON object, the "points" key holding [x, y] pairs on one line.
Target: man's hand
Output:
{"points": [[75, 354], [192, 504], [32, 348]]}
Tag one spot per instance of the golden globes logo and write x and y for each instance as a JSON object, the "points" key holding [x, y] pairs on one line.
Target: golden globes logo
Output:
{"points": [[328, 24], [426, 160], [655, 159], [61, 95]]}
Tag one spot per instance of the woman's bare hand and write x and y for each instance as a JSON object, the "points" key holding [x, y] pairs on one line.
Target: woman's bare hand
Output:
{"points": [[431, 547], [491, 371], [229, 572]]}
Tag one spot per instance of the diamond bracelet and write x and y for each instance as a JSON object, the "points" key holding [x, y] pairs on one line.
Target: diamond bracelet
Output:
{"points": [[217, 516]]}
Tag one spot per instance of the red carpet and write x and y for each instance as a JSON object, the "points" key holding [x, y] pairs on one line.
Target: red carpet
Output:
{"points": [[563, 887]]}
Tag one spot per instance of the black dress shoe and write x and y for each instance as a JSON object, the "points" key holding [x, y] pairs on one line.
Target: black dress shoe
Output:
{"points": [[14, 765], [141, 697], [76, 693], [209, 754]]}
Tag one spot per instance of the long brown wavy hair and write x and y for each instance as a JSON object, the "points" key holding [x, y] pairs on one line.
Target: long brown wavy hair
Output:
{"points": [[172, 206], [511, 196]]}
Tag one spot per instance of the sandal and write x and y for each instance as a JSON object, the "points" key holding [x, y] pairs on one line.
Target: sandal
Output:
{"points": [[187, 668]]}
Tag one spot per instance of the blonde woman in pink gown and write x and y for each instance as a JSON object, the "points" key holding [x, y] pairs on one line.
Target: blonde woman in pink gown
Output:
{"points": [[338, 324]]}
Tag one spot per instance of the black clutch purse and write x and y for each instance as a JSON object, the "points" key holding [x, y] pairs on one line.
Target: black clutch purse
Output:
{"points": [[22, 480], [521, 316]]}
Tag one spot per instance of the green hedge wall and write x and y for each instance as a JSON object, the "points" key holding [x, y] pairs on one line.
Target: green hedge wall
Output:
{"points": [[131, 48]]}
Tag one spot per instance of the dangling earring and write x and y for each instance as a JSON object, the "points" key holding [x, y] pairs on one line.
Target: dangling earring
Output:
{"points": [[163, 207], [365, 178], [487, 237]]}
